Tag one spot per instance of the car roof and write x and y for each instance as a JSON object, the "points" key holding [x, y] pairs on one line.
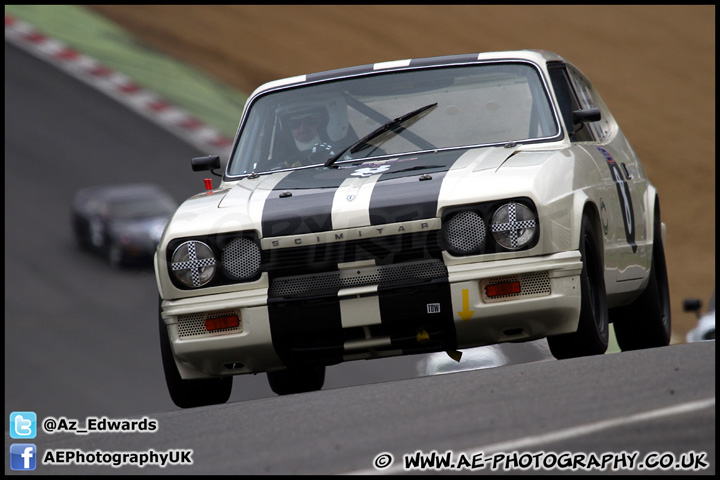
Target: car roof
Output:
{"points": [[536, 56]]}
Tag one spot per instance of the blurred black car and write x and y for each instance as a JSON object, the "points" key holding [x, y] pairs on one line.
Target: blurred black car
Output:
{"points": [[122, 222], [705, 327]]}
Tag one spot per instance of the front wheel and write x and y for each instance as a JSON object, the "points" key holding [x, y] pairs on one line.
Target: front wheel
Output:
{"points": [[591, 337], [190, 393], [646, 322], [297, 380]]}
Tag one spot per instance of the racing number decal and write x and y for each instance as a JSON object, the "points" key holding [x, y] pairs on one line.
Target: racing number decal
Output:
{"points": [[369, 171], [625, 199]]}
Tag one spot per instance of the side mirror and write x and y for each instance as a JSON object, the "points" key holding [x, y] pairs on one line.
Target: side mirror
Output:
{"points": [[692, 305], [209, 162], [587, 116]]}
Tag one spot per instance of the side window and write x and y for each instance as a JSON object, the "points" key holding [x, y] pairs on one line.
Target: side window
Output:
{"points": [[568, 102], [585, 92]]}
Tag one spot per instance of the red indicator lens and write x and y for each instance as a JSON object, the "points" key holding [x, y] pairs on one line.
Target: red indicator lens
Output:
{"points": [[508, 288], [219, 323]]}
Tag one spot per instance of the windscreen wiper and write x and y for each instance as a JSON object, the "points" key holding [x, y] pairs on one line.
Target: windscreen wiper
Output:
{"points": [[419, 167], [391, 125]]}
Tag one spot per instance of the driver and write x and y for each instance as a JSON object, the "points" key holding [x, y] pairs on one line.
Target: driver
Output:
{"points": [[305, 128], [312, 128]]}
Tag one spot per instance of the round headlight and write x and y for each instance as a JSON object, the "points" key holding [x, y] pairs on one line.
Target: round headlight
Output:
{"points": [[241, 258], [193, 264], [513, 225], [465, 233]]}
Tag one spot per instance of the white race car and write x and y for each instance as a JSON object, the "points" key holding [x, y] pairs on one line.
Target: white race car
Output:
{"points": [[407, 207]]}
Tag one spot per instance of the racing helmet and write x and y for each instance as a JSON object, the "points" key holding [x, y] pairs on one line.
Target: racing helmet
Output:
{"points": [[331, 107]]}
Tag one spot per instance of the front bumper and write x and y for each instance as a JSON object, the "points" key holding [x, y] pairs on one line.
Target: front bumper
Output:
{"points": [[371, 321]]}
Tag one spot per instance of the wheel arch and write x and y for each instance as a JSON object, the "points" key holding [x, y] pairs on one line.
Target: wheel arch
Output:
{"points": [[586, 206], [653, 212]]}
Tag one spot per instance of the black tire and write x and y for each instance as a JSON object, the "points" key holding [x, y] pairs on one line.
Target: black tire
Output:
{"points": [[190, 393], [646, 323], [297, 380], [591, 337]]}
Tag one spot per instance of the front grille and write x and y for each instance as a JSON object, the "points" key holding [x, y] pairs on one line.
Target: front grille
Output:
{"points": [[389, 250], [331, 282], [193, 325]]}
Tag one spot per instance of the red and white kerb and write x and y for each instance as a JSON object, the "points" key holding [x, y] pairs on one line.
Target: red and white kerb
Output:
{"points": [[116, 85]]}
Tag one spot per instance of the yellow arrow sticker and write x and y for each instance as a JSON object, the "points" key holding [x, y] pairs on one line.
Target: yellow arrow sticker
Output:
{"points": [[466, 313], [422, 335]]}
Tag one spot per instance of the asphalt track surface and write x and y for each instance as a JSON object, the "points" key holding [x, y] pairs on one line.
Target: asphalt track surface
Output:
{"points": [[81, 338], [62, 136]]}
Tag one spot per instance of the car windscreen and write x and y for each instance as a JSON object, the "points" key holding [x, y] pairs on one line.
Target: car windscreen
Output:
{"points": [[472, 105]]}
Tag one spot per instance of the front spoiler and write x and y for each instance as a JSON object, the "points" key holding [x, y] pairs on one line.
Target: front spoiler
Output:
{"points": [[550, 309]]}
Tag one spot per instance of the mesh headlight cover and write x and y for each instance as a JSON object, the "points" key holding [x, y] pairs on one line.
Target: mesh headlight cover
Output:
{"points": [[513, 225], [241, 258], [465, 233], [193, 263]]}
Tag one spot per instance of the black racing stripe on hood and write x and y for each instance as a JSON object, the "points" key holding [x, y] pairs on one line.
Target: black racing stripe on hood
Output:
{"points": [[403, 199], [302, 201], [409, 190], [308, 209]]}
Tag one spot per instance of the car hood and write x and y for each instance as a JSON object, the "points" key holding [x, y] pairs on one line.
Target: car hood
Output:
{"points": [[375, 192]]}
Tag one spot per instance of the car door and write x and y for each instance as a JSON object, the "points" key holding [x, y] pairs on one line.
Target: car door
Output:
{"points": [[619, 197], [630, 182]]}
